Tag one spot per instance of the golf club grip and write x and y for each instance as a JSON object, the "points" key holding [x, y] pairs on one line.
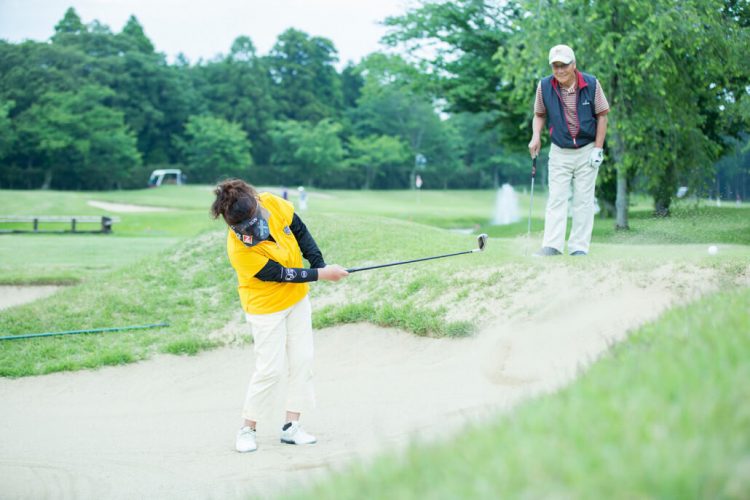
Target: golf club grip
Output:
{"points": [[357, 269], [533, 167]]}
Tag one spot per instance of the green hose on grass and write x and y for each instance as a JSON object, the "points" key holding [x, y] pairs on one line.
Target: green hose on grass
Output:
{"points": [[76, 332]]}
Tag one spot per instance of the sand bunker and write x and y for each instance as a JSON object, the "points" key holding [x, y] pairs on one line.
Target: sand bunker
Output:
{"points": [[16, 295], [122, 207], [165, 428]]}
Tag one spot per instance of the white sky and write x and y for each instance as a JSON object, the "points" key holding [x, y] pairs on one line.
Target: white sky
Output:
{"points": [[203, 29]]}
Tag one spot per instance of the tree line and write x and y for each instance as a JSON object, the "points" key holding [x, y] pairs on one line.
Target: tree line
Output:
{"points": [[94, 109]]}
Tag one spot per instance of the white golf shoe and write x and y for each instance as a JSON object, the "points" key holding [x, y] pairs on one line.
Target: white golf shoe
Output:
{"points": [[245, 440], [293, 433]]}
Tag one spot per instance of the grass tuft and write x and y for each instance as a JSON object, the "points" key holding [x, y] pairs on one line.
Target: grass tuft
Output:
{"points": [[190, 347], [420, 321]]}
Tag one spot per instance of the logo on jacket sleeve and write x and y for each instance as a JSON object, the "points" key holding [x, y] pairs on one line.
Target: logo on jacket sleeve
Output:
{"points": [[287, 231], [290, 274]]}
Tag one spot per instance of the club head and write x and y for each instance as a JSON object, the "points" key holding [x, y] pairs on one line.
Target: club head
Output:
{"points": [[482, 241]]}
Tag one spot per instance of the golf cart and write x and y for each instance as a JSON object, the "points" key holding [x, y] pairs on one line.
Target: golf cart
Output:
{"points": [[166, 176]]}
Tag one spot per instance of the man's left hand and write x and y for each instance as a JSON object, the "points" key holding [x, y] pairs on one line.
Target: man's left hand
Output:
{"points": [[597, 157]]}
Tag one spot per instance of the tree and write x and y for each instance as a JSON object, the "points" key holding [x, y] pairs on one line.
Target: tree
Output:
{"points": [[238, 88], [215, 149], [307, 152], [306, 84], [81, 142], [30, 69], [70, 24], [351, 85], [132, 33], [7, 134], [453, 44], [376, 154], [152, 96], [392, 104], [485, 158]]}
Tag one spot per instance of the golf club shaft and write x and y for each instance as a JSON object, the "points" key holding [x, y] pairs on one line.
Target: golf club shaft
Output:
{"points": [[531, 201], [354, 270]]}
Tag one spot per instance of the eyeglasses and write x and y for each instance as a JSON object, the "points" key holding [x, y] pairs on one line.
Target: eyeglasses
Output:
{"points": [[559, 65]]}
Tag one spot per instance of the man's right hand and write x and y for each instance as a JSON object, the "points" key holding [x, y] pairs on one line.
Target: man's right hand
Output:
{"points": [[332, 272], [535, 145]]}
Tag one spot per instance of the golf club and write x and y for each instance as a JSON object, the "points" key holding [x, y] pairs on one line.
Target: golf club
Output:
{"points": [[481, 243], [531, 202]]}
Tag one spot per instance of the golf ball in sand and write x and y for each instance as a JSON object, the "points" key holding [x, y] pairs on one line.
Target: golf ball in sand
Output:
{"points": [[713, 250]]}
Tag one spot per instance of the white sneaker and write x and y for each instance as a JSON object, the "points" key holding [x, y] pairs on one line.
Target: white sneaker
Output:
{"points": [[292, 433], [245, 440]]}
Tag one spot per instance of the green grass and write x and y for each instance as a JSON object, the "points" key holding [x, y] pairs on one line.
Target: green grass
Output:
{"points": [[65, 259], [690, 222], [416, 320], [664, 415], [155, 268], [70, 258], [190, 286], [687, 224]]}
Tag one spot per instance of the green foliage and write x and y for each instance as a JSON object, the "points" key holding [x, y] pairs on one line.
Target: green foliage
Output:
{"points": [[392, 104], [238, 89], [462, 37], [307, 152], [375, 154], [215, 149], [674, 73], [80, 137], [307, 87], [7, 134]]}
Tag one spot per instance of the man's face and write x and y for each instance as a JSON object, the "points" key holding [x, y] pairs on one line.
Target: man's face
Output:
{"points": [[564, 73]]}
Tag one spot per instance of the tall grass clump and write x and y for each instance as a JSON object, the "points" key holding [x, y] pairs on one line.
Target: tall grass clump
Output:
{"points": [[423, 322]]}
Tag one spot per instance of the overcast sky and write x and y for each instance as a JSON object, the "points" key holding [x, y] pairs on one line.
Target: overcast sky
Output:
{"points": [[204, 28]]}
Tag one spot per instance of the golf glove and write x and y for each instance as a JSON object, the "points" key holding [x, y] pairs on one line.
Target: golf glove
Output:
{"points": [[597, 157]]}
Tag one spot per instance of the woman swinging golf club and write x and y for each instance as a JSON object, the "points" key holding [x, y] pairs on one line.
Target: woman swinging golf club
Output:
{"points": [[266, 242]]}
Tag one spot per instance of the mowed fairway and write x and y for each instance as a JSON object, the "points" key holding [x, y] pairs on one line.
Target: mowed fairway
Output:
{"points": [[438, 379]]}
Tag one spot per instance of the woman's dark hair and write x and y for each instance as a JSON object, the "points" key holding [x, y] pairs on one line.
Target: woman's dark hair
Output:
{"points": [[235, 201]]}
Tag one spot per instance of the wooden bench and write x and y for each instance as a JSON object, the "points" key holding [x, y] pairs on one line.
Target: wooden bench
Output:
{"points": [[105, 223]]}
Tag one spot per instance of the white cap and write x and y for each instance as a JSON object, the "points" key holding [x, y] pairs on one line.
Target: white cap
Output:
{"points": [[561, 53]]}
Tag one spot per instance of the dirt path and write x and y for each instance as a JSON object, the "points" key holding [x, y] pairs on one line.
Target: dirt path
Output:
{"points": [[164, 428]]}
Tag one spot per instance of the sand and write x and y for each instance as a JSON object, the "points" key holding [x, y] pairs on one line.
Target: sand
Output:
{"points": [[16, 295], [164, 428], [125, 207]]}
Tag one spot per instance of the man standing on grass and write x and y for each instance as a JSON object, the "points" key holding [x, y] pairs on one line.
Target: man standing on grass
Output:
{"points": [[577, 111]]}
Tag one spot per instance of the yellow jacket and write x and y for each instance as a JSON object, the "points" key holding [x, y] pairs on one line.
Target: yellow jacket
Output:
{"points": [[265, 297]]}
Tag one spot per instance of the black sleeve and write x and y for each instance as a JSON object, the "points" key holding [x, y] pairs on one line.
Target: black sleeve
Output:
{"points": [[273, 271], [310, 250]]}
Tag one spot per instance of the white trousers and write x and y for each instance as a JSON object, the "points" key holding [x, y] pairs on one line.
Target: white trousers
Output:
{"points": [[282, 340], [570, 169]]}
